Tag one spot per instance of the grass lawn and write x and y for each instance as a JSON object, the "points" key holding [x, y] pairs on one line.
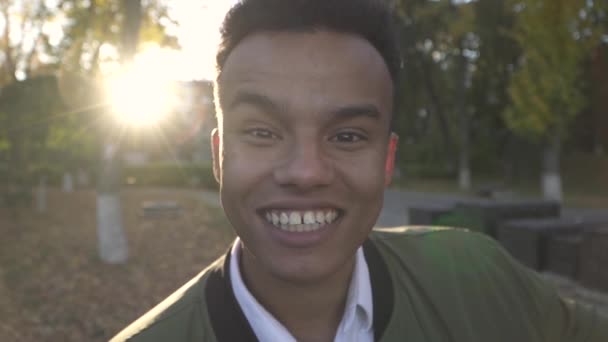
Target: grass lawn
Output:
{"points": [[53, 286]]}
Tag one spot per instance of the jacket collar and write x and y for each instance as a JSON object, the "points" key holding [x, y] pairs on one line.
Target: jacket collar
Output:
{"points": [[229, 322]]}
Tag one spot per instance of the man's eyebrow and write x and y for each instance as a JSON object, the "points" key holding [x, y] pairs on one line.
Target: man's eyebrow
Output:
{"points": [[257, 100], [267, 105], [351, 112]]}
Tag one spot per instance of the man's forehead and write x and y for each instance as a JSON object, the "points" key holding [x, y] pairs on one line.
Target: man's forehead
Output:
{"points": [[307, 55]]}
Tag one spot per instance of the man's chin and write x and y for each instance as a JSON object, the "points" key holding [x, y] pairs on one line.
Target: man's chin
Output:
{"points": [[298, 269]]}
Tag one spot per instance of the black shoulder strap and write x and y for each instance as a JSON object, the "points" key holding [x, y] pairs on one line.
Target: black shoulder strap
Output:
{"points": [[228, 320], [382, 288]]}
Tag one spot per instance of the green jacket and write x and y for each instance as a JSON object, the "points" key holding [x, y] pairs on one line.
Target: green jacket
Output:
{"points": [[428, 284]]}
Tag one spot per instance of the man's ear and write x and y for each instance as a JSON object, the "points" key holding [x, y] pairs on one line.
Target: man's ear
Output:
{"points": [[389, 165], [215, 149]]}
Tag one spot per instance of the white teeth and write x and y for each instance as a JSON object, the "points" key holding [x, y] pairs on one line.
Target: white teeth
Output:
{"points": [[295, 218], [275, 219], [284, 218], [309, 217], [297, 221], [320, 217]]}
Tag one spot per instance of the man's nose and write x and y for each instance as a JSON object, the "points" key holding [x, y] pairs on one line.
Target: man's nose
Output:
{"points": [[305, 167]]}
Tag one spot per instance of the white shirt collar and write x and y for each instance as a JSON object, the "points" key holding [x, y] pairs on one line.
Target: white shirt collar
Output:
{"points": [[356, 324]]}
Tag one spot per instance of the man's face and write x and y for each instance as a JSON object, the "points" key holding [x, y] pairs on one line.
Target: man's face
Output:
{"points": [[302, 149]]}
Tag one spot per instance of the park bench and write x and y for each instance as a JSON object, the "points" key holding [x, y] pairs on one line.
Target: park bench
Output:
{"points": [[158, 209], [593, 259], [494, 191], [563, 254], [551, 244], [487, 214], [428, 214]]}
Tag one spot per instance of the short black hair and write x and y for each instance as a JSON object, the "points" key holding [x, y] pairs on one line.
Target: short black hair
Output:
{"points": [[371, 19]]}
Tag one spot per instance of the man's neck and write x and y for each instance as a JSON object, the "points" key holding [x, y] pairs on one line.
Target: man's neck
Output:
{"points": [[311, 312]]}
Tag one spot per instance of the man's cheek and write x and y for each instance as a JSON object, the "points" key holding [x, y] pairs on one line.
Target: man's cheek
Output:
{"points": [[243, 169], [366, 178]]}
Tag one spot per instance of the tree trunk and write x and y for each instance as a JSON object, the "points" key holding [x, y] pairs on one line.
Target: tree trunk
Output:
{"points": [[440, 113], [112, 241], [41, 195], [464, 168], [551, 177], [17, 178], [113, 246], [68, 182], [131, 26]]}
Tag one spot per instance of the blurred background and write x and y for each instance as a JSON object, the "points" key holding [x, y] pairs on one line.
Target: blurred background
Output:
{"points": [[107, 199]]}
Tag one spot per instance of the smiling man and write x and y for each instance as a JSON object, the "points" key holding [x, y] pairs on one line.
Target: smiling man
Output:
{"points": [[302, 152], [301, 155]]}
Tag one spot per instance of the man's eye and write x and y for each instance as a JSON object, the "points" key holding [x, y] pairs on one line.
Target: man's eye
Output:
{"points": [[348, 137], [261, 133]]}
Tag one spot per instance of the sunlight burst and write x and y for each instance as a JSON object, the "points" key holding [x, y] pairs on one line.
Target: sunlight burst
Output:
{"points": [[142, 94]]}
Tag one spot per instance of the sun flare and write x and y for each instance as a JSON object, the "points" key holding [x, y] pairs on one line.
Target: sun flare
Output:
{"points": [[142, 94]]}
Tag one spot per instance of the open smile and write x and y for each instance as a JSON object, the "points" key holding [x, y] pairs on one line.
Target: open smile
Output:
{"points": [[301, 221]]}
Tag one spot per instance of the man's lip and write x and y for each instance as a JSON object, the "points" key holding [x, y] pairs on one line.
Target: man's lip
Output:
{"points": [[299, 205]]}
